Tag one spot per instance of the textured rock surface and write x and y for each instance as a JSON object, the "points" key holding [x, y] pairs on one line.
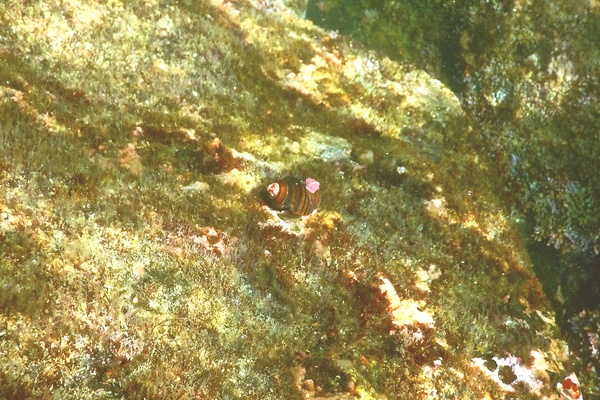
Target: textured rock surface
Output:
{"points": [[138, 259]]}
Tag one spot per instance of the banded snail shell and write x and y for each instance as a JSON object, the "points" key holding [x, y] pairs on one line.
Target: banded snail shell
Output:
{"points": [[293, 195]]}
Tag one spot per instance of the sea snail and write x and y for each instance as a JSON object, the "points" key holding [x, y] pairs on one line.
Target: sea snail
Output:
{"points": [[294, 196]]}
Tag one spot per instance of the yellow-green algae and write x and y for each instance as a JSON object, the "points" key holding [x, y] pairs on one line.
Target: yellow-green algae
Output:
{"points": [[137, 260], [526, 74]]}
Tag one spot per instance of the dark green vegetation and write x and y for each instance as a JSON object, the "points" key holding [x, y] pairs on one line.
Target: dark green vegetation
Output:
{"points": [[527, 75], [137, 261]]}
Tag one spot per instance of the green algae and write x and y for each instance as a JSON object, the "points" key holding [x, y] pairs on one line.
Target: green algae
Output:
{"points": [[138, 260], [525, 73]]}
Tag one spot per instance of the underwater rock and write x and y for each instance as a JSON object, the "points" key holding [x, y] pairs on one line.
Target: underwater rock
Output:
{"points": [[179, 276], [217, 158], [569, 388], [367, 158], [326, 147], [196, 187]]}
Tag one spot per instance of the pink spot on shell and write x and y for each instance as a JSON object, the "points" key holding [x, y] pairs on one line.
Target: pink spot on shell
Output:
{"points": [[273, 189], [312, 185]]}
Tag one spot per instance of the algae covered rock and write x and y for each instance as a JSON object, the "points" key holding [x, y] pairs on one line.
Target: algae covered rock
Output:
{"points": [[139, 261]]}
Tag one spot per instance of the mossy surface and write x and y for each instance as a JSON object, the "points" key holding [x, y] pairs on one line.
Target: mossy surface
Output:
{"points": [[526, 75], [138, 261]]}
